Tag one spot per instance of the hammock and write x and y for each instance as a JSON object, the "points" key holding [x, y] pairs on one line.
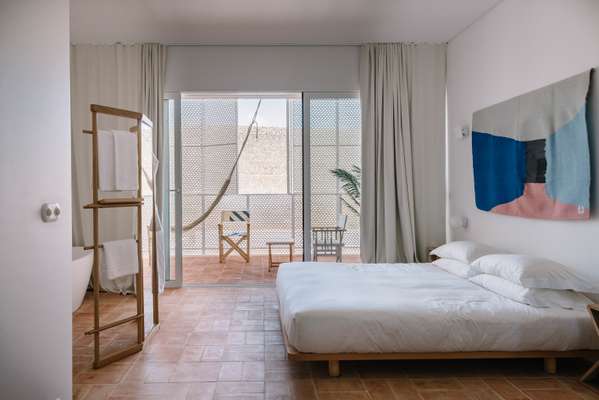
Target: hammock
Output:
{"points": [[227, 181]]}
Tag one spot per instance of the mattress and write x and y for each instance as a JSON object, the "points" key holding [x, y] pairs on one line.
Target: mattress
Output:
{"points": [[387, 308]]}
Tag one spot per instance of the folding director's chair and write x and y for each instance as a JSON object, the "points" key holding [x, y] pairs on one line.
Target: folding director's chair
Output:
{"points": [[235, 239]]}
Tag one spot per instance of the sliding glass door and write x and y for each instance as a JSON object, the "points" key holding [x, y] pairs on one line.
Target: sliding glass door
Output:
{"points": [[299, 171], [210, 130], [171, 214], [332, 165]]}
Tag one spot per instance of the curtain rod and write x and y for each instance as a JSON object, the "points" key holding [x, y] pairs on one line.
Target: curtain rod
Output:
{"points": [[262, 45], [174, 44], [219, 45], [296, 44]]}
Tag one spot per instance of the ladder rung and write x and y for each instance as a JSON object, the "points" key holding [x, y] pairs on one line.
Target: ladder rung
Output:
{"points": [[133, 129], [100, 246], [121, 200], [117, 112], [115, 323], [136, 348], [108, 203]]}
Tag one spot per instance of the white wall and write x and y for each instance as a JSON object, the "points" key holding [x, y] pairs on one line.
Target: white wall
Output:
{"points": [[262, 68], [519, 46], [35, 277]]}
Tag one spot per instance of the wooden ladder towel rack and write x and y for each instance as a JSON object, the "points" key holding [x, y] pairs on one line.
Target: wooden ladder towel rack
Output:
{"points": [[136, 202]]}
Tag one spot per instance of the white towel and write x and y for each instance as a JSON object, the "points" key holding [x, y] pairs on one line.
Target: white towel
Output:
{"points": [[125, 160], [120, 258], [106, 160]]}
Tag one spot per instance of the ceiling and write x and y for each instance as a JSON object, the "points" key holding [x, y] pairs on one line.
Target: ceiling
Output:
{"points": [[266, 22]]}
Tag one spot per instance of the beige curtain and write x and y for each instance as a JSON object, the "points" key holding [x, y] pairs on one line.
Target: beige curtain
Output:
{"points": [[153, 64], [122, 76], [108, 75], [153, 68], [402, 89]]}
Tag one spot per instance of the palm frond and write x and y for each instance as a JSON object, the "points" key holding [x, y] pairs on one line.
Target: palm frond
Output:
{"points": [[350, 184], [350, 207], [344, 175], [354, 201]]}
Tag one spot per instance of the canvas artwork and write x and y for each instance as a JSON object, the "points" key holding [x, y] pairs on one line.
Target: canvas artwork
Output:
{"points": [[531, 153]]}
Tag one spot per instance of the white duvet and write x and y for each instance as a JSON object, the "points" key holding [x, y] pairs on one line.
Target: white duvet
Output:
{"points": [[375, 308]]}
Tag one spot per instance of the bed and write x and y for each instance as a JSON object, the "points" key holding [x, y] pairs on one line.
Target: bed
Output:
{"points": [[334, 312]]}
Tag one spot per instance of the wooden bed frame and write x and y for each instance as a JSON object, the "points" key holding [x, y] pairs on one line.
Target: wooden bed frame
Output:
{"points": [[333, 359], [549, 357]]}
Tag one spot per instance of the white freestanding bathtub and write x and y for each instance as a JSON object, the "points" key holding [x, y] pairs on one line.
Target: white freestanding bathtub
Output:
{"points": [[82, 270]]}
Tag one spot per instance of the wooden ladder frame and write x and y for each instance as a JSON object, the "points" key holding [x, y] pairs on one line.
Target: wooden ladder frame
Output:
{"points": [[136, 202]]}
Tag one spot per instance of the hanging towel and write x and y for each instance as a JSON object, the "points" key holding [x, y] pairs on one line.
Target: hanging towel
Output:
{"points": [[125, 160], [120, 258], [106, 160]]}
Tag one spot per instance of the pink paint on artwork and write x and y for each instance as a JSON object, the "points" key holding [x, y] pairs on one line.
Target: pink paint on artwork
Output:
{"points": [[535, 203]]}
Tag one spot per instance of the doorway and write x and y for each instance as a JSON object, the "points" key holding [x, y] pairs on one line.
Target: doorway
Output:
{"points": [[299, 140]]}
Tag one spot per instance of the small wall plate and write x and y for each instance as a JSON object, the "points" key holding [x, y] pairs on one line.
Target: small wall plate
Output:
{"points": [[463, 132], [50, 212]]}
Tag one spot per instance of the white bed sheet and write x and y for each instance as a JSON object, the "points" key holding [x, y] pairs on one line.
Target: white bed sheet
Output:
{"points": [[383, 308]]}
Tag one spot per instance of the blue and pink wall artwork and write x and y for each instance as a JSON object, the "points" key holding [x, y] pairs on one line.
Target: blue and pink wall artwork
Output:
{"points": [[531, 153]]}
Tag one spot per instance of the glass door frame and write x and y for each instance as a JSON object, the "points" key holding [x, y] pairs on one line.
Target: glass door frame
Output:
{"points": [[307, 97], [177, 97], [176, 189]]}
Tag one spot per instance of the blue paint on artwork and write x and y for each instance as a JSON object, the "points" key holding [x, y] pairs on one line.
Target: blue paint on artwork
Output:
{"points": [[499, 169], [568, 176]]}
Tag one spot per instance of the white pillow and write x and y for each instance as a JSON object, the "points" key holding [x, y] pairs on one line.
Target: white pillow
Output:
{"points": [[464, 251], [456, 267], [532, 272], [541, 298]]}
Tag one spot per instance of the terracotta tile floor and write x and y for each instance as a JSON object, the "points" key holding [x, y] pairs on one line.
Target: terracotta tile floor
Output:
{"points": [[207, 269], [225, 343]]}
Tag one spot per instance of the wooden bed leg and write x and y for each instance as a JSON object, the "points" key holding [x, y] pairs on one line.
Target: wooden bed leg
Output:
{"points": [[334, 370], [550, 365]]}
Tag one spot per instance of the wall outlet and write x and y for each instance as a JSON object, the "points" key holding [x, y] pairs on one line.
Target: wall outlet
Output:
{"points": [[50, 212]]}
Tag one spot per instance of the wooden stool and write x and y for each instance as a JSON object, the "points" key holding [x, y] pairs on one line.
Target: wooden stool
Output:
{"points": [[271, 263]]}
